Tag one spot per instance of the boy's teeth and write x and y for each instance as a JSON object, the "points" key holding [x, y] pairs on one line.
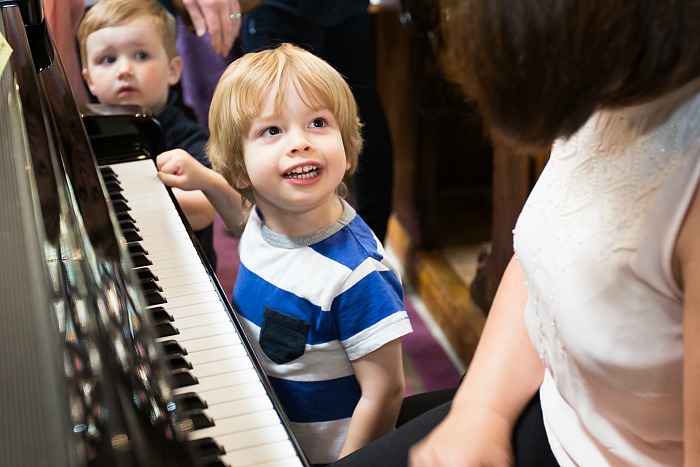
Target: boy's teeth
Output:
{"points": [[306, 171]]}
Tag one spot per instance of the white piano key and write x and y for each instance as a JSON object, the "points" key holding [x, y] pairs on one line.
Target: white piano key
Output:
{"points": [[252, 438], [172, 283], [239, 424], [210, 296], [242, 407], [230, 351], [202, 370], [202, 320], [212, 342], [214, 397], [227, 380], [198, 332], [194, 310], [286, 462], [186, 289], [259, 454]]}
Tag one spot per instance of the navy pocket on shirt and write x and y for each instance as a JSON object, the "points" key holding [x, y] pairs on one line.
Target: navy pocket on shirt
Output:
{"points": [[283, 337]]}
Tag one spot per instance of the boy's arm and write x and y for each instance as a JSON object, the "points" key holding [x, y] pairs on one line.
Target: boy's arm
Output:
{"points": [[380, 374], [177, 168], [196, 207]]}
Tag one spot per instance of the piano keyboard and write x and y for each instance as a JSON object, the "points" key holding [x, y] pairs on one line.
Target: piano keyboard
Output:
{"points": [[216, 372]]}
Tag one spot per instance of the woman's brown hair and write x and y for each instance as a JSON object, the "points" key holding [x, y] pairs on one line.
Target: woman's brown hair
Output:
{"points": [[539, 68]]}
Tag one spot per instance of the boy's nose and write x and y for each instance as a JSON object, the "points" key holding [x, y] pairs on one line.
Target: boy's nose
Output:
{"points": [[298, 143]]}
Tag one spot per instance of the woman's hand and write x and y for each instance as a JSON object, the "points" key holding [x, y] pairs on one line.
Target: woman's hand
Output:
{"points": [[466, 438]]}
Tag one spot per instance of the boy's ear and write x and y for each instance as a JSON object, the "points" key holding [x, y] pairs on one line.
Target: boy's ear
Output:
{"points": [[174, 71]]}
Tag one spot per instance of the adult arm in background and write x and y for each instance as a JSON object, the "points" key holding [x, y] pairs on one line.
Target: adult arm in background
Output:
{"points": [[213, 17], [686, 268], [63, 17], [178, 169], [503, 376], [380, 375]]}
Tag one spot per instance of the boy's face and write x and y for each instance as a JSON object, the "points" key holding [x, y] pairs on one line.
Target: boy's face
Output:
{"points": [[295, 159], [128, 64]]}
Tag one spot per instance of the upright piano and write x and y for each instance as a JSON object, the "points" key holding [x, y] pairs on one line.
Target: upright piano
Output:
{"points": [[117, 344]]}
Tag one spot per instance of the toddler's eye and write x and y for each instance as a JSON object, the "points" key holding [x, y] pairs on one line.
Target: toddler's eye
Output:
{"points": [[318, 122], [271, 131], [107, 60], [141, 55]]}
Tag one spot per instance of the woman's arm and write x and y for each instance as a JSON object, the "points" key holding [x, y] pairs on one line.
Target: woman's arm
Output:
{"points": [[503, 376], [177, 168], [687, 272], [380, 374]]}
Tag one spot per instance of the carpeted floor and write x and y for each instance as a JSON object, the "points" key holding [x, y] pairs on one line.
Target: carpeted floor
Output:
{"points": [[427, 366]]}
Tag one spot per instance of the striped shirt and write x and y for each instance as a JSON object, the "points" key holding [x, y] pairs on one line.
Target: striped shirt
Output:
{"points": [[310, 305]]}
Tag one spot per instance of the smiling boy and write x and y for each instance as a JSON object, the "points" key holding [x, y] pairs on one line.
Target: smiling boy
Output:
{"points": [[317, 296]]}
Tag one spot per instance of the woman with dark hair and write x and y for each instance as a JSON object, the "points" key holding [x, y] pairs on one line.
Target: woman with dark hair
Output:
{"points": [[589, 355]]}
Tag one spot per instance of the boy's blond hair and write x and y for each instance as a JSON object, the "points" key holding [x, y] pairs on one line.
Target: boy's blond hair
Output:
{"points": [[107, 13], [243, 86]]}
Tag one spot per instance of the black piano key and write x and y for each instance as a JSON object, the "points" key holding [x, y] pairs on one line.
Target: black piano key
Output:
{"points": [[145, 274], [131, 235], [117, 197], [183, 378], [113, 187], [140, 259], [189, 401], [159, 314], [199, 420], [171, 347], [165, 329], [153, 297], [178, 362], [107, 171], [125, 217], [205, 448], [150, 284], [136, 248], [121, 206]]}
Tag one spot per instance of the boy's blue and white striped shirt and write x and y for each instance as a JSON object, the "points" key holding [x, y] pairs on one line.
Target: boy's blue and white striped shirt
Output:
{"points": [[310, 305]]}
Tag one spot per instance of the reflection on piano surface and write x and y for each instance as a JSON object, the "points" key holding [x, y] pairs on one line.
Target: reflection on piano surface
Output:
{"points": [[118, 346]]}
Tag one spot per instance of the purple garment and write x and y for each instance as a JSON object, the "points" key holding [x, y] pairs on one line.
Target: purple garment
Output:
{"points": [[201, 70]]}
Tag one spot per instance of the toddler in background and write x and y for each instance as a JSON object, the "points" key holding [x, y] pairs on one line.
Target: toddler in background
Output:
{"points": [[127, 48]]}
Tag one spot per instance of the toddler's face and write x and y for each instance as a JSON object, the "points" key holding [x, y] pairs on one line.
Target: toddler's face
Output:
{"points": [[128, 64]]}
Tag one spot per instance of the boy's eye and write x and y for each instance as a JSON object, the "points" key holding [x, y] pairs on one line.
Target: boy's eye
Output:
{"points": [[271, 131], [318, 122]]}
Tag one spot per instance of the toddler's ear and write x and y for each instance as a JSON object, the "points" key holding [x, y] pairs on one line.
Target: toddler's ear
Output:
{"points": [[174, 71], [88, 81]]}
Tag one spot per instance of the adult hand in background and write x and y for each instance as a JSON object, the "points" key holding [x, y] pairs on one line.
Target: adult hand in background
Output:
{"points": [[220, 18]]}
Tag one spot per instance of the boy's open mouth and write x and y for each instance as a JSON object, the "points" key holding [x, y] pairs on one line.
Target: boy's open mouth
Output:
{"points": [[306, 171]]}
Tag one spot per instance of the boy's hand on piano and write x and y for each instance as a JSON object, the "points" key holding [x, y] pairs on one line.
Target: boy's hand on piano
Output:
{"points": [[177, 168]]}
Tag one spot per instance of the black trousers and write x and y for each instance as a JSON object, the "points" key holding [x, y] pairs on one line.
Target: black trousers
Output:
{"points": [[423, 412], [348, 47]]}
